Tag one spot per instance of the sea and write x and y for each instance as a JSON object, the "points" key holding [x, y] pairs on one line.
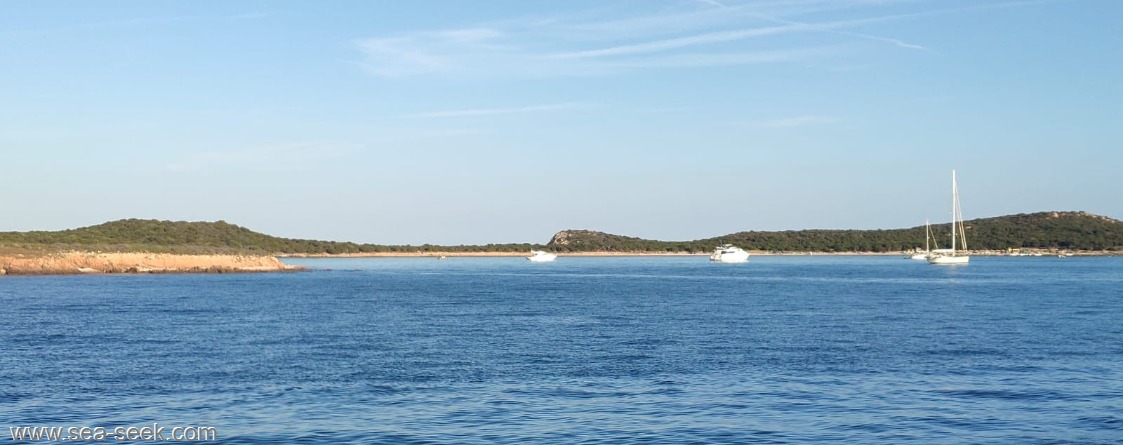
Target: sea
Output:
{"points": [[584, 350]]}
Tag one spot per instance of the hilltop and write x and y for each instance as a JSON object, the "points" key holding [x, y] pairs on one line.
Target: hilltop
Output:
{"points": [[1044, 230], [157, 236], [200, 237]]}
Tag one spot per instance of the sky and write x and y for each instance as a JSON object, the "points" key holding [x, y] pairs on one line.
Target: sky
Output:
{"points": [[502, 121]]}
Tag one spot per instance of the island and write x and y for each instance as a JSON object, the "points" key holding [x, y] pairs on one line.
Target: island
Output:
{"points": [[153, 246]]}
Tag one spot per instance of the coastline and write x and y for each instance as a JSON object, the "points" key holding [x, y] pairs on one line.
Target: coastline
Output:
{"points": [[85, 262], [438, 254], [79, 262]]}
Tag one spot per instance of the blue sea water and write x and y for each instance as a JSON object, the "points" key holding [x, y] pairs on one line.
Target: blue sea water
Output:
{"points": [[583, 350]]}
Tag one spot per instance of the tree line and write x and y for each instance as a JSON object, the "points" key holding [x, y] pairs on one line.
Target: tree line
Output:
{"points": [[1046, 230]]}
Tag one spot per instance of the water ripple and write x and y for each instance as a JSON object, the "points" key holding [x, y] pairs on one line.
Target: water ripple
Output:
{"points": [[588, 351]]}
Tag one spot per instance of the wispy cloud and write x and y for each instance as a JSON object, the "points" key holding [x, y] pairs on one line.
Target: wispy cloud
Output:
{"points": [[793, 122], [707, 16], [831, 29], [494, 111], [712, 3], [711, 38], [430, 52], [728, 59], [552, 47], [676, 43], [692, 34], [899, 43]]}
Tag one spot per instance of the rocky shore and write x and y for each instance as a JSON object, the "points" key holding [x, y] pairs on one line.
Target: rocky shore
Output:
{"points": [[70, 263]]}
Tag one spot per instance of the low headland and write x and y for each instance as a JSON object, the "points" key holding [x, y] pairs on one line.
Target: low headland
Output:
{"points": [[84, 262], [151, 246]]}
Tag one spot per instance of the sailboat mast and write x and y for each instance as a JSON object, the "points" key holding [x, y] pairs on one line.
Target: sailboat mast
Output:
{"points": [[959, 220], [927, 236], [954, 200]]}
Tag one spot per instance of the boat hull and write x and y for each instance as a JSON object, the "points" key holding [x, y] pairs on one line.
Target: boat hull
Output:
{"points": [[949, 260], [729, 253], [538, 256], [737, 257]]}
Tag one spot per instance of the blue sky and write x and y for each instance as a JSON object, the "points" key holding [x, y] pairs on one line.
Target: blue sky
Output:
{"points": [[471, 122]]}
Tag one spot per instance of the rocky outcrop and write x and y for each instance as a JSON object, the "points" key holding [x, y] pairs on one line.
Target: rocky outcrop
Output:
{"points": [[560, 238], [567, 237], [116, 262]]}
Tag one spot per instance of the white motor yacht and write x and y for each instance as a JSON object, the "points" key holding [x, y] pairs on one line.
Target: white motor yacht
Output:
{"points": [[541, 256], [728, 253]]}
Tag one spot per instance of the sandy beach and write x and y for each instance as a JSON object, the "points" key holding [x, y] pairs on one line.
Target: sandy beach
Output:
{"points": [[65, 263]]}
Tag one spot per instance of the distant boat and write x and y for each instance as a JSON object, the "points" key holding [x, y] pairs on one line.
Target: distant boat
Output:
{"points": [[728, 253], [951, 256], [541, 256], [927, 252]]}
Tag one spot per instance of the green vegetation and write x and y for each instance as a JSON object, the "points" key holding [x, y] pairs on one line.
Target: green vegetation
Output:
{"points": [[1046, 230], [1058, 230], [132, 235]]}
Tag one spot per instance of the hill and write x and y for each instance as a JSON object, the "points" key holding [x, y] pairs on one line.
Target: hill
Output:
{"points": [[1051, 230], [1046, 230], [132, 235]]}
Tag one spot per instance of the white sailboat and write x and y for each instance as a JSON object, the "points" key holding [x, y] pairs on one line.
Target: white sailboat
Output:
{"points": [[923, 255], [951, 256]]}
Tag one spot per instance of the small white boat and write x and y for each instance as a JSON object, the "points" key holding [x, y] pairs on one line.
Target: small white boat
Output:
{"points": [[952, 257], [541, 256], [728, 253]]}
